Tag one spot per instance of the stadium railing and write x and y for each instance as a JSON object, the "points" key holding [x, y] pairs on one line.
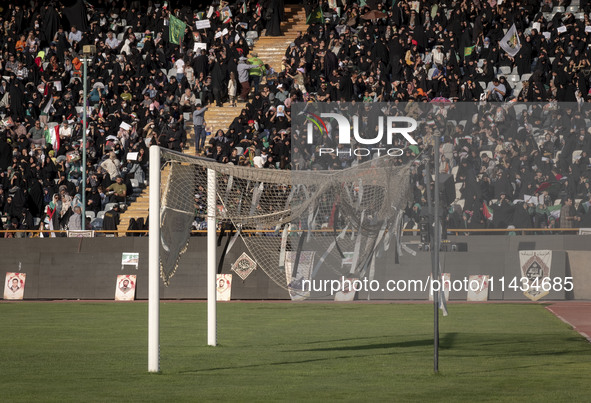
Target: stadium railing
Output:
{"points": [[411, 232]]}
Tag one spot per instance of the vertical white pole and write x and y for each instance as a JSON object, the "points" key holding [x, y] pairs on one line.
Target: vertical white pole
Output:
{"points": [[154, 263], [211, 259]]}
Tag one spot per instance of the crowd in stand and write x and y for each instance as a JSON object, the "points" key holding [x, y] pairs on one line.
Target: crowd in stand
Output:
{"points": [[144, 89], [141, 90]]}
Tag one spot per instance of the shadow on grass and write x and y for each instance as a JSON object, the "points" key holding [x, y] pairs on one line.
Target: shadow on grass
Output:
{"points": [[400, 344], [271, 364]]}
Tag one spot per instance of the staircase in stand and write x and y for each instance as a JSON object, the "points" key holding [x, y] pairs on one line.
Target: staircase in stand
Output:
{"points": [[270, 49]]}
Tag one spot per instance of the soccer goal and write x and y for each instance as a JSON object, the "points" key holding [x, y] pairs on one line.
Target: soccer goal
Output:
{"points": [[295, 224]]}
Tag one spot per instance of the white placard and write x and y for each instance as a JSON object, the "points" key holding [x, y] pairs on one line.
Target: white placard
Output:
{"points": [[224, 287], [203, 24], [547, 35], [14, 285], [125, 126], [130, 258], [536, 26], [132, 156], [199, 45], [561, 29], [125, 288], [588, 28], [478, 288], [348, 293]]}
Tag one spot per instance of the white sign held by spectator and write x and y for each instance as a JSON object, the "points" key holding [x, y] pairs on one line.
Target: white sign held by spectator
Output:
{"points": [[199, 45], [510, 42], [203, 24], [125, 126]]}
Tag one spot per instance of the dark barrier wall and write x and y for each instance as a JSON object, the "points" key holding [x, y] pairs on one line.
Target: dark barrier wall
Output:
{"points": [[86, 268]]}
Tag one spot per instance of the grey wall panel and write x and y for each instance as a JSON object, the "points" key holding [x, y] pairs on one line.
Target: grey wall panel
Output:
{"points": [[62, 268]]}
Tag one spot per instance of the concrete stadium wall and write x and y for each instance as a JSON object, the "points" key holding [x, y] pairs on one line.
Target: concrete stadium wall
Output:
{"points": [[86, 268]]}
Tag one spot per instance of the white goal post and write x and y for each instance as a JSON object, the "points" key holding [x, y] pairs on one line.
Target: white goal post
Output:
{"points": [[154, 261]]}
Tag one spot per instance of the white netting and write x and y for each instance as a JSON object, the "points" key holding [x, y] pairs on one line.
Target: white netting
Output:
{"points": [[295, 224]]}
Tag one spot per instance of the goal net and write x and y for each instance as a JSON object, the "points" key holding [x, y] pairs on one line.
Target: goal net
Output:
{"points": [[297, 225]]}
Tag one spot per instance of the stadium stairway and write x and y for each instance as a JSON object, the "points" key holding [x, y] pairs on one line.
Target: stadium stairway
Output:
{"points": [[270, 50]]}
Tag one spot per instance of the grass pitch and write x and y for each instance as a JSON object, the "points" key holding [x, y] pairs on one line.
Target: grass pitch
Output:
{"points": [[86, 352]]}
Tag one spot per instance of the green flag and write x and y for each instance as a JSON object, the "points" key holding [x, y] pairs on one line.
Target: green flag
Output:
{"points": [[176, 30], [468, 51], [316, 16]]}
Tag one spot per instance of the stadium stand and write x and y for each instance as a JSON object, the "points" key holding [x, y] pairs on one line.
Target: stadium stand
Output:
{"points": [[144, 89]]}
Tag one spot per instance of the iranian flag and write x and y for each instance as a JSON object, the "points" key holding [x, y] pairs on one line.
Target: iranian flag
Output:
{"points": [[488, 214], [52, 136]]}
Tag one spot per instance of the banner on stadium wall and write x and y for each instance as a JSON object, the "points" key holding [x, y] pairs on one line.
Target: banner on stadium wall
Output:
{"points": [[243, 266], [347, 294], [14, 286], [125, 288], [535, 267], [223, 287], [303, 272], [80, 234], [478, 287], [130, 259]]}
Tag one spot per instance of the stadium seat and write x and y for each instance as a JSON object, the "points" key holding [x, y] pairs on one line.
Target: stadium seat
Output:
{"points": [[480, 62], [171, 72], [90, 214], [454, 171], [483, 85], [577, 202], [558, 10], [462, 123], [525, 77], [557, 156], [517, 89], [100, 214], [513, 78], [430, 73], [109, 206], [36, 221], [97, 224], [461, 203], [557, 202], [572, 9], [505, 70], [120, 36]]}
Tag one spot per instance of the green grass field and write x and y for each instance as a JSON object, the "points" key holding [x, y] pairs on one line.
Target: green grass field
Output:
{"points": [[86, 352]]}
